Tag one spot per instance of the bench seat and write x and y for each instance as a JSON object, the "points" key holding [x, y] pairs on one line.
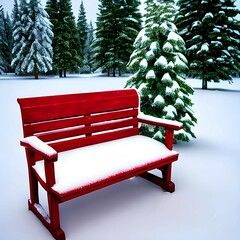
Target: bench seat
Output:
{"points": [[82, 167]]}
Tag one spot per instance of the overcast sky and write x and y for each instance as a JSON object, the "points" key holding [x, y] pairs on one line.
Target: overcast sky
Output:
{"points": [[91, 7]]}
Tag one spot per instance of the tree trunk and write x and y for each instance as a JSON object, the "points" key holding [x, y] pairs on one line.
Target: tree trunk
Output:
{"points": [[120, 74], [204, 83], [114, 74], [35, 74], [65, 72], [60, 73]]}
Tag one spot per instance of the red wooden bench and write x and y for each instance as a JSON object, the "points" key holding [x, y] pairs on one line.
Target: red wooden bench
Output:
{"points": [[79, 143]]}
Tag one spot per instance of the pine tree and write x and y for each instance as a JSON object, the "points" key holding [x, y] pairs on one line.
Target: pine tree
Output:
{"points": [[82, 28], [160, 66], [2, 64], [117, 26], [89, 51], [66, 43], [53, 12], [5, 41], [211, 32], [39, 57], [21, 21], [8, 39], [32, 38]]}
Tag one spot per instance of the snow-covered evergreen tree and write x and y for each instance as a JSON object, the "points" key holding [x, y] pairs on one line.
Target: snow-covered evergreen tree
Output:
{"points": [[160, 66], [21, 20], [40, 35], [118, 23], [82, 28], [88, 63], [211, 32], [66, 43], [32, 34], [5, 41], [2, 64]]}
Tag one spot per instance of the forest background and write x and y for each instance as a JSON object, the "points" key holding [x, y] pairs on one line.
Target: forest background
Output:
{"points": [[91, 7]]}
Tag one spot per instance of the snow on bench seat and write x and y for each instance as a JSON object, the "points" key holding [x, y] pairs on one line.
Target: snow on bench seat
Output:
{"points": [[81, 167]]}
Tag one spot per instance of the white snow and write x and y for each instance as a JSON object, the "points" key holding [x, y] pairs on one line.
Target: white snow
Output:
{"points": [[205, 204], [180, 102], [207, 16], [174, 37], [175, 86], [193, 47], [42, 211], [159, 100], [158, 120], [150, 55], [170, 65], [179, 63], [170, 111], [142, 38], [205, 47], [166, 78], [154, 46], [169, 91], [39, 145], [81, 167], [144, 64], [167, 47], [142, 87], [163, 28], [161, 62], [150, 75]]}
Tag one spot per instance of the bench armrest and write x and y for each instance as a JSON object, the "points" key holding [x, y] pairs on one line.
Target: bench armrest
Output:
{"points": [[175, 125], [39, 147], [169, 125]]}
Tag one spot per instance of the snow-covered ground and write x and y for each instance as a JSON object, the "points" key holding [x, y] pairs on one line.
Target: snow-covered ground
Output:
{"points": [[206, 202]]}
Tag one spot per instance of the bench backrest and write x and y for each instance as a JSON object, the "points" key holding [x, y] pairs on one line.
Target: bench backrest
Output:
{"points": [[73, 120]]}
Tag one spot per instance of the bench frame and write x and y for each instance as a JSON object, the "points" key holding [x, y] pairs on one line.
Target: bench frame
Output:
{"points": [[47, 118]]}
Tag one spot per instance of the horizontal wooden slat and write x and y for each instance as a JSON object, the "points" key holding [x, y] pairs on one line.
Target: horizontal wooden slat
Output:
{"points": [[77, 121], [56, 99], [85, 141], [127, 113], [54, 124], [87, 130], [73, 109]]}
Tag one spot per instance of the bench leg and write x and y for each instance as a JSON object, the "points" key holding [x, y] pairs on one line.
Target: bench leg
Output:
{"points": [[33, 186], [52, 222], [51, 225], [164, 182]]}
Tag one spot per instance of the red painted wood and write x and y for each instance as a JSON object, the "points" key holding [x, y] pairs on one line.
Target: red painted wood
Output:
{"points": [[62, 123], [90, 140], [71, 98], [169, 137], [71, 121], [89, 129], [54, 107], [161, 123]]}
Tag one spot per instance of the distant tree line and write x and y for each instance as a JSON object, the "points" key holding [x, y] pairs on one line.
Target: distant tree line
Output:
{"points": [[35, 39]]}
